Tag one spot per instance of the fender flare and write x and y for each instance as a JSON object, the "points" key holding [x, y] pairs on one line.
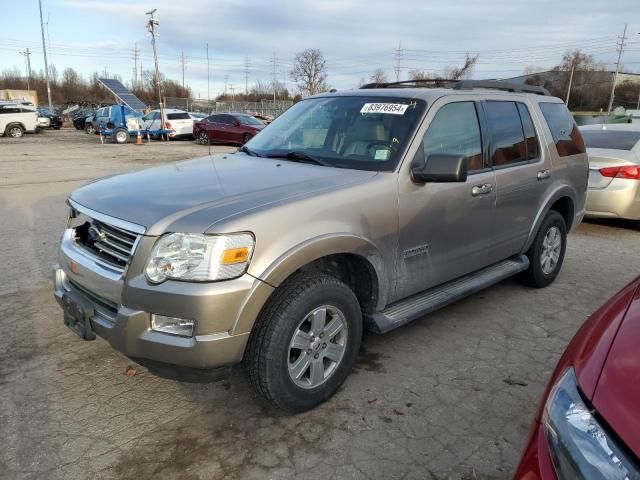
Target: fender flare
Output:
{"points": [[553, 196], [331, 244]]}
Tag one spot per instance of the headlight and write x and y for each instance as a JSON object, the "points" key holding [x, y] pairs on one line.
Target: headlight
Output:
{"points": [[199, 258], [580, 447]]}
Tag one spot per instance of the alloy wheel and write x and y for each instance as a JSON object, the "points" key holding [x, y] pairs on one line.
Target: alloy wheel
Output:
{"points": [[317, 347], [551, 248]]}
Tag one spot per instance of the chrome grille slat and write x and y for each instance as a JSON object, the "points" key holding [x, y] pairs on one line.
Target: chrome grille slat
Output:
{"points": [[103, 248], [109, 244]]}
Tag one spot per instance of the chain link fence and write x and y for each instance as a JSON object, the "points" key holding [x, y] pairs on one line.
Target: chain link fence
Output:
{"points": [[265, 108]]}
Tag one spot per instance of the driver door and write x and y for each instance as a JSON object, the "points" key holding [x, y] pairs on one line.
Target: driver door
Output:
{"points": [[445, 228]]}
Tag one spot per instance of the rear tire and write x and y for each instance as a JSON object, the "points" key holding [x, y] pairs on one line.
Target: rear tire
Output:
{"points": [[245, 138], [121, 135], [14, 131], [88, 129], [298, 356], [546, 254]]}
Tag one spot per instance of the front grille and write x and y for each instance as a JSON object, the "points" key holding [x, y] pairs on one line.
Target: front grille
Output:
{"points": [[112, 245]]}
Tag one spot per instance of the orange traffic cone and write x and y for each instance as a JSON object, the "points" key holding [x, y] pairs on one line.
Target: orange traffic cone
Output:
{"points": [[139, 139]]}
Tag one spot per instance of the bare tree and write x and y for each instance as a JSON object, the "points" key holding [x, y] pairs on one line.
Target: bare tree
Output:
{"points": [[310, 71], [448, 73], [378, 76]]}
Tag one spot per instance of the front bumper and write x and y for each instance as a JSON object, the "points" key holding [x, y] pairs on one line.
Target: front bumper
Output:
{"points": [[536, 463], [122, 309], [620, 199]]}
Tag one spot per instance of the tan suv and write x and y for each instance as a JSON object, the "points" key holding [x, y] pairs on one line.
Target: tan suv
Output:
{"points": [[353, 210]]}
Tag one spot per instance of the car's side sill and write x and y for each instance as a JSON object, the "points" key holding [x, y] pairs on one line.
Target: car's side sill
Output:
{"points": [[416, 306]]}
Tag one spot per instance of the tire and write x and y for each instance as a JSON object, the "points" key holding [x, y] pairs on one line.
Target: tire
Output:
{"points": [[14, 131], [245, 138], [546, 261], [203, 138], [89, 129], [121, 135], [273, 362]]}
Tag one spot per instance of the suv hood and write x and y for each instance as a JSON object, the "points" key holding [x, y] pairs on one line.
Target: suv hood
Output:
{"points": [[162, 198], [617, 393]]}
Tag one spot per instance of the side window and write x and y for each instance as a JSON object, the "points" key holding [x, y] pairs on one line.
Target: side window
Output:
{"points": [[156, 116], [530, 137], [508, 145], [210, 118], [563, 128], [226, 119], [455, 130]]}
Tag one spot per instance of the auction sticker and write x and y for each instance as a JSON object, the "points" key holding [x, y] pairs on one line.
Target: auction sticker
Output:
{"points": [[391, 108]]}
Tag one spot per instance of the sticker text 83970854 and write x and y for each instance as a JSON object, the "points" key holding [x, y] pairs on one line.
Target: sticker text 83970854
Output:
{"points": [[391, 108]]}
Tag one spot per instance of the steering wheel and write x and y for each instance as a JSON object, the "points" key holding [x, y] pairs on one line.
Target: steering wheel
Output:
{"points": [[379, 143]]}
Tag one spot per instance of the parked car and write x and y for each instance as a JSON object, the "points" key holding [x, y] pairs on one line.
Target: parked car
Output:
{"points": [[79, 120], [229, 128], [17, 119], [55, 120], [614, 170], [90, 124], [588, 425], [177, 120], [352, 210], [43, 122]]}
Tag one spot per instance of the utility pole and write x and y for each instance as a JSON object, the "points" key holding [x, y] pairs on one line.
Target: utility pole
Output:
{"points": [[27, 61], [151, 28], [232, 88], [399, 53], [135, 65], [208, 90], [573, 67], [246, 75], [275, 82], [226, 79], [46, 65], [183, 70], [621, 45]]}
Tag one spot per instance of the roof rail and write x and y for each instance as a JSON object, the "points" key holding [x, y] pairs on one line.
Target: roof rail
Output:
{"points": [[500, 85], [462, 85], [437, 82]]}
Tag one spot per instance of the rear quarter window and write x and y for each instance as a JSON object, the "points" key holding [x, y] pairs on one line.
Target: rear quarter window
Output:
{"points": [[178, 116], [564, 131]]}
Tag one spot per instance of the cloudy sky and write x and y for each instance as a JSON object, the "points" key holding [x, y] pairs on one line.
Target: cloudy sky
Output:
{"points": [[355, 36]]}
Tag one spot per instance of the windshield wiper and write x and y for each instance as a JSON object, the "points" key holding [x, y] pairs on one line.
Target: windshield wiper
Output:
{"points": [[248, 151], [299, 157]]}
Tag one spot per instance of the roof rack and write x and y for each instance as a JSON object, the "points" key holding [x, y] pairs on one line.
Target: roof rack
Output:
{"points": [[462, 85], [500, 85], [436, 82]]}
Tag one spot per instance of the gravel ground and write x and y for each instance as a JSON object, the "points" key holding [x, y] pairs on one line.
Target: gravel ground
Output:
{"points": [[436, 399]]}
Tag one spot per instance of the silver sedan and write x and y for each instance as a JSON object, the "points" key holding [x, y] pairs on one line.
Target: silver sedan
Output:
{"points": [[614, 170]]}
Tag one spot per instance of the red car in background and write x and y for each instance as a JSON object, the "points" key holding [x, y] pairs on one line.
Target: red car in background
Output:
{"points": [[229, 128], [588, 425]]}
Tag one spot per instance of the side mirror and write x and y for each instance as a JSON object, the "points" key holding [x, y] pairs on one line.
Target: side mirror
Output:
{"points": [[441, 168]]}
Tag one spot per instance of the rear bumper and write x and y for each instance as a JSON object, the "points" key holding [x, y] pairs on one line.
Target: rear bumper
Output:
{"points": [[620, 199]]}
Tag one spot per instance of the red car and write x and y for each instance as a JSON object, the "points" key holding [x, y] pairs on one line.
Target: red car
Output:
{"points": [[588, 425], [229, 128]]}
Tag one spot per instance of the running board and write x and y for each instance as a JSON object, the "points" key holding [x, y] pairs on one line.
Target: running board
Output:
{"points": [[417, 306]]}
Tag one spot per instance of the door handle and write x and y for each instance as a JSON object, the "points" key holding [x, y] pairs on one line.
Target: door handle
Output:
{"points": [[543, 174], [484, 189]]}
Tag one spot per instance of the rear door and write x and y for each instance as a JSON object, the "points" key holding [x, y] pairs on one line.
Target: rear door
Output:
{"points": [[227, 129], [522, 173], [445, 228]]}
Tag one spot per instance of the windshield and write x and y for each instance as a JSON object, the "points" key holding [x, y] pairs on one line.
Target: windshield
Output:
{"points": [[247, 120], [617, 140], [360, 132]]}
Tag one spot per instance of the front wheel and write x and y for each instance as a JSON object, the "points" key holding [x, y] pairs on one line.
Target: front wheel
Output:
{"points": [[245, 138], [203, 138], [305, 342], [121, 135], [546, 254], [89, 129]]}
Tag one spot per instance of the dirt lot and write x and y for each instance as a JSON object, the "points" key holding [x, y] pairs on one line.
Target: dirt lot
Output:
{"points": [[432, 400]]}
